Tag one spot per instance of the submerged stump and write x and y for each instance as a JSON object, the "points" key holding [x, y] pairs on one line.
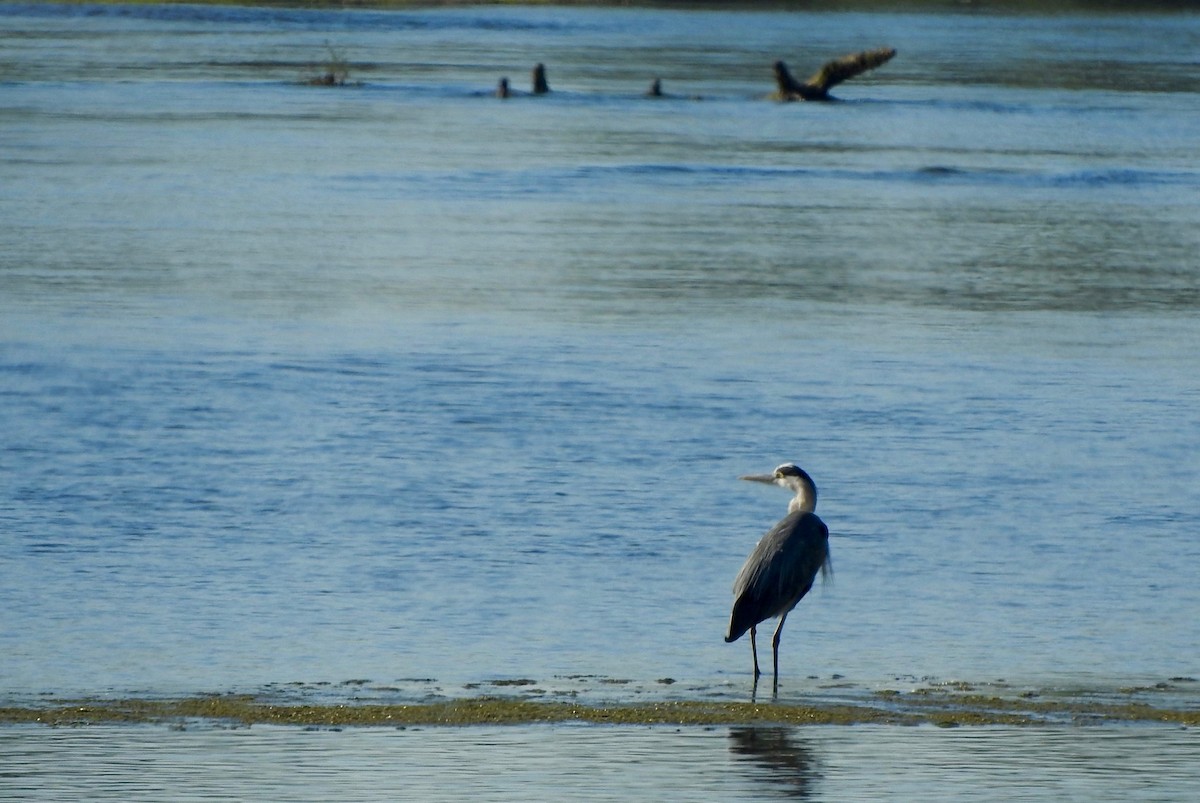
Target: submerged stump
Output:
{"points": [[540, 87]]}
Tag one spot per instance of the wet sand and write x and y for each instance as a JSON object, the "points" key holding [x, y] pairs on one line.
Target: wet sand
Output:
{"points": [[947, 706]]}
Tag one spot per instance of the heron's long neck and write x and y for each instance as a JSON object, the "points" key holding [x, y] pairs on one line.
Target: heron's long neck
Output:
{"points": [[805, 499]]}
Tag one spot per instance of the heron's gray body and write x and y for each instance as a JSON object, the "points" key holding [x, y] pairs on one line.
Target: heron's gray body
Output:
{"points": [[779, 572], [783, 565]]}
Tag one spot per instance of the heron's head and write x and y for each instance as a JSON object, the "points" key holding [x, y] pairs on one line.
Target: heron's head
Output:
{"points": [[789, 476]]}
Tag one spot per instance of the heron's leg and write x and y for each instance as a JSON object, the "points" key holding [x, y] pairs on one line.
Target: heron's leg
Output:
{"points": [[775, 644], [754, 652]]}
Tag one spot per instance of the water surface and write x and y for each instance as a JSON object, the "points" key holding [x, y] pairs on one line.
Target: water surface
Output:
{"points": [[601, 764], [399, 383]]}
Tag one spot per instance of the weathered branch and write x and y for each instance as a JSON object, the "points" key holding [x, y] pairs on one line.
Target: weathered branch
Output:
{"points": [[830, 75]]}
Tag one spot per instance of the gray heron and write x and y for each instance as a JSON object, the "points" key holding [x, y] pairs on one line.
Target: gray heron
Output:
{"points": [[783, 565]]}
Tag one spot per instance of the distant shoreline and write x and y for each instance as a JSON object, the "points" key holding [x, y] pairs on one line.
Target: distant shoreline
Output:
{"points": [[1036, 7]]}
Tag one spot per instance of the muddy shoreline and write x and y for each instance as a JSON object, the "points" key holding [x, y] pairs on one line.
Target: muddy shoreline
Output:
{"points": [[883, 708]]}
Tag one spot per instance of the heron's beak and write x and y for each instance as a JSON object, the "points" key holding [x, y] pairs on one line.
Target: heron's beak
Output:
{"points": [[768, 479]]}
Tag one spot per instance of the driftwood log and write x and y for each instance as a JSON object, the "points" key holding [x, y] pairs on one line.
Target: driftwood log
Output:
{"points": [[830, 75], [538, 85]]}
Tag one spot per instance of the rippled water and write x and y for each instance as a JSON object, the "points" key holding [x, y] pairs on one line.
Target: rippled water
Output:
{"points": [[595, 764], [399, 382]]}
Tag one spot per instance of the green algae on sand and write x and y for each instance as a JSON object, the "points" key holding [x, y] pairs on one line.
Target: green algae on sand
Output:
{"points": [[471, 711], [947, 711]]}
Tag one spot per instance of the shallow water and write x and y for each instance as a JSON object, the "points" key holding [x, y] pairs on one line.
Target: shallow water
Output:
{"points": [[599, 763], [399, 390]]}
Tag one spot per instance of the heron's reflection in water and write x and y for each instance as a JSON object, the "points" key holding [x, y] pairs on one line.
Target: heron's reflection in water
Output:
{"points": [[779, 759]]}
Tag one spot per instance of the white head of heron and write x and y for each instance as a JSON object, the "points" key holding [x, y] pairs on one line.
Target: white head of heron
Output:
{"points": [[791, 477]]}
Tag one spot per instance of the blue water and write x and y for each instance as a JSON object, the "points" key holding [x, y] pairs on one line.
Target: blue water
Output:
{"points": [[399, 382], [600, 764]]}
